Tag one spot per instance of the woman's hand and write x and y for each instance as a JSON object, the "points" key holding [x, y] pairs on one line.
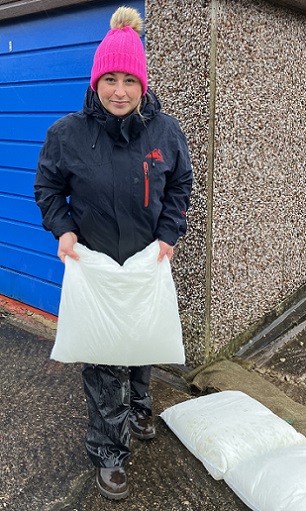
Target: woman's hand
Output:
{"points": [[65, 246], [164, 250]]}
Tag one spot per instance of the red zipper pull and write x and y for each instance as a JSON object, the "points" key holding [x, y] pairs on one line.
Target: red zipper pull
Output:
{"points": [[146, 184]]}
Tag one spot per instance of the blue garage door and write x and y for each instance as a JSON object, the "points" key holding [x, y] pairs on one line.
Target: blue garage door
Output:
{"points": [[45, 65]]}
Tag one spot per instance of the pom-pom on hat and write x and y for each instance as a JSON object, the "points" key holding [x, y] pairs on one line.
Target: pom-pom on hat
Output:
{"points": [[121, 50]]}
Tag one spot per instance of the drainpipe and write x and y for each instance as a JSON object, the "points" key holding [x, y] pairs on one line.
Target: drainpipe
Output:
{"points": [[210, 175]]}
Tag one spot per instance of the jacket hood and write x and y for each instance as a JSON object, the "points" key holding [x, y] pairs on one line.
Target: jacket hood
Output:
{"points": [[126, 130]]}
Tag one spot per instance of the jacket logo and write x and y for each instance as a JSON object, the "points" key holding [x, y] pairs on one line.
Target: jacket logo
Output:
{"points": [[156, 154]]}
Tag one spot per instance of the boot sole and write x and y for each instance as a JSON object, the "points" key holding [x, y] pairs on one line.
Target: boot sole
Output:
{"points": [[141, 436]]}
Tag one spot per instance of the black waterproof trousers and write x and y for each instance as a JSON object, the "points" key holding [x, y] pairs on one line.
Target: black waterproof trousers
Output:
{"points": [[111, 393]]}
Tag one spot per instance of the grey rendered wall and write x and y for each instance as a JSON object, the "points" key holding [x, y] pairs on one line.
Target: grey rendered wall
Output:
{"points": [[178, 46], [234, 74], [258, 238]]}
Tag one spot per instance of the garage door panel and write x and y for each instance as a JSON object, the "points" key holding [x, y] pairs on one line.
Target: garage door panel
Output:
{"points": [[17, 182], [27, 127], [19, 208], [61, 97], [59, 63], [19, 155], [40, 294], [28, 237], [89, 25], [47, 268]]}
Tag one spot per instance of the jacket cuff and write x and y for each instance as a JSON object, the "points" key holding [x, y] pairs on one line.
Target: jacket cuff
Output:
{"points": [[167, 237]]}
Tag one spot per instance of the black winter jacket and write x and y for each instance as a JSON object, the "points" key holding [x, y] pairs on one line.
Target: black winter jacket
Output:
{"points": [[119, 184]]}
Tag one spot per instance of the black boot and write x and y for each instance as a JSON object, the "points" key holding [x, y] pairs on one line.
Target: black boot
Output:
{"points": [[112, 482]]}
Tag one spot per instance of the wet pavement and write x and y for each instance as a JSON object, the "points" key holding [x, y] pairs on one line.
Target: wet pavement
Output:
{"points": [[44, 466], [43, 418]]}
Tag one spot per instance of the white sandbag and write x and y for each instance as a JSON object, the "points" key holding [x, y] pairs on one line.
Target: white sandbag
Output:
{"points": [[228, 428], [118, 315], [275, 481]]}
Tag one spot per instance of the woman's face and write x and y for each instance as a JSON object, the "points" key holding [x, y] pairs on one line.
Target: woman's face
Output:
{"points": [[119, 93]]}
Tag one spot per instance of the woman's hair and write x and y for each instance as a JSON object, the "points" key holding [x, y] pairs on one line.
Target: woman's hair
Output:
{"points": [[138, 110]]}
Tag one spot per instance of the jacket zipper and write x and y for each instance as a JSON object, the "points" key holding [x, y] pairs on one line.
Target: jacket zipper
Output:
{"points": [[146, 184]]}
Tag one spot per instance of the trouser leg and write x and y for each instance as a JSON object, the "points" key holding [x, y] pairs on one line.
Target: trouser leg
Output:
{"points": [[140, 389], [107, 391]]}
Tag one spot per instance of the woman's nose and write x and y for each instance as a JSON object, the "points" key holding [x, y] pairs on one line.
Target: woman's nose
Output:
{"points": [[120, 90]]}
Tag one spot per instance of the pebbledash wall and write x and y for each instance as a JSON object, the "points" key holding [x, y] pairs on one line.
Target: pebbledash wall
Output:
{"points": [[234, 74]]}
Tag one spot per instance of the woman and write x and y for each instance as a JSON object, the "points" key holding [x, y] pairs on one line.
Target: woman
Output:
{"points": [[126, 168]]}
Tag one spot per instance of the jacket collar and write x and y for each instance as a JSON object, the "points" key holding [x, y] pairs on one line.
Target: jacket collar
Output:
{"points": [[122, 131]]}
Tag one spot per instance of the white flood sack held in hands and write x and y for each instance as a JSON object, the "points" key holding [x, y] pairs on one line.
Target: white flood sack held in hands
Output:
{"points": [[118, 315]]}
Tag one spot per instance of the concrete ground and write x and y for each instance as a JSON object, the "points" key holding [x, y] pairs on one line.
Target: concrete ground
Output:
{"points": [[43, 463], [286, 368]]}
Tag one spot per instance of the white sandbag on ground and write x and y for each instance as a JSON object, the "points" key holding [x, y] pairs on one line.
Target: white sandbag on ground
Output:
{"points": [[118, 315], [275, 481], [228, 375], [228, 428]]}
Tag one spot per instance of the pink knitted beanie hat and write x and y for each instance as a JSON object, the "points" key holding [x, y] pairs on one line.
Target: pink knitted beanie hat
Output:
{"points": [[121, 50]]}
